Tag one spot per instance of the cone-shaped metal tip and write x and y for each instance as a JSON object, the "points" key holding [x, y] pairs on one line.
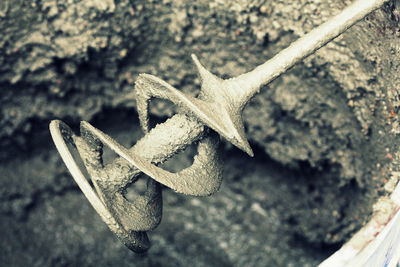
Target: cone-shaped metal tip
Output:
{"points": [[247, 149], [220, 110], [233, 131], [197, 62], [204, 73], [240, 141], [210, 83], [218, 118], [242, 145]]}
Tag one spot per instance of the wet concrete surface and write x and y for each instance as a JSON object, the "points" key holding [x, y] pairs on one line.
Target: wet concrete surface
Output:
{"points": [[46, 220]]}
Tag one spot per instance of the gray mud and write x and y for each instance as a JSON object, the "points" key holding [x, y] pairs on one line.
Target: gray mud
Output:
{"points": [[324, 133]]}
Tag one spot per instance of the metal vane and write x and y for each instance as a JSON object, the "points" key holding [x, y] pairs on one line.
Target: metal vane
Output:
{"points": [[217, 109]]}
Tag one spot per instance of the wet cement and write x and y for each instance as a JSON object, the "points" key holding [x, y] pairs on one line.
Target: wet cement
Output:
{"points": [[325, 133], [46, 220]]}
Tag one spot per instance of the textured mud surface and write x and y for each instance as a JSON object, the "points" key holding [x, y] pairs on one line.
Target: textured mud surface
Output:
{"points": [[325, 132], [48, 222]]}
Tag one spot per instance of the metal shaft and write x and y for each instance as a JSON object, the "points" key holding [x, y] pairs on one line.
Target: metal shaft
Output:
{"points": [[305, 46]]}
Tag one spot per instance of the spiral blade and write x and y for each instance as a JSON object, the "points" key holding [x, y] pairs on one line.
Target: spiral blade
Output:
{"points": [[202, 178]]}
